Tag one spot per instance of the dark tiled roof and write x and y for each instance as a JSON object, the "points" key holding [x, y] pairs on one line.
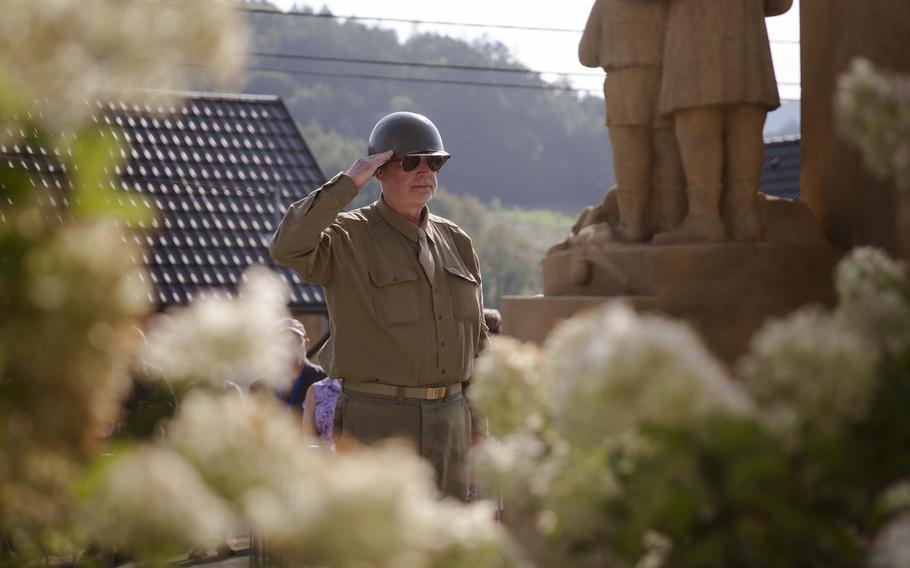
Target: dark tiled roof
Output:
{"points": [[780, 174], [221, 170]]}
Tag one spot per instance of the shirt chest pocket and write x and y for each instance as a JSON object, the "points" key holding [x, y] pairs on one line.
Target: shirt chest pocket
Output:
{"points": [[464, 292], [394, 293]]}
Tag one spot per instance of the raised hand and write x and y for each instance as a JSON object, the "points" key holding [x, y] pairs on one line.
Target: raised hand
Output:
{"points": [[363, 168]]}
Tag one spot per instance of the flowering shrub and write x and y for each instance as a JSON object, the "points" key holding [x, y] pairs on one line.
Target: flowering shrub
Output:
{"points": [[55, 57], [514, 391], [875, 296], [600, 359], [646, 453], [154, 503], [810, 371], [228, 460], [873, 109], [222, 339]]}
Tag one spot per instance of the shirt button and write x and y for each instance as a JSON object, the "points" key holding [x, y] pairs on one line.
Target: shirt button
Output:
{"points": [[438, 317], [443, 371], [443, 344]]}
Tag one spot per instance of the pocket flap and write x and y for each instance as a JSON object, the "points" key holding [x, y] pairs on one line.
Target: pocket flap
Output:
{"points": [[461, 272], [387, 276]]}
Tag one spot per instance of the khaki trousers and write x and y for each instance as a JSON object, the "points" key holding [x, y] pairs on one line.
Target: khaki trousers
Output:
{"points": [[439, 429]]}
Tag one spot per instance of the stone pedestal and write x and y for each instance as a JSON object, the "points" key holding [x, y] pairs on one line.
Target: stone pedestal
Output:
{"points": [[725, 291]]}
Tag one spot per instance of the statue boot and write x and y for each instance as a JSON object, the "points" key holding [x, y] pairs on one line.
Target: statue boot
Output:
{"points": [[702, 224], [744, 221], [631, 227]]}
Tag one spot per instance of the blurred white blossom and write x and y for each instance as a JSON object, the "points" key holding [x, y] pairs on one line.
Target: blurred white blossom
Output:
{"points": [[891, 548], [618, 370], [507, 464], [239, 444], [657, 551], [374, 506], [218, 339], [508, 386], [810, 370], [55, 55], [873, 109], [874, 296], [152, 501], [578, 484]]}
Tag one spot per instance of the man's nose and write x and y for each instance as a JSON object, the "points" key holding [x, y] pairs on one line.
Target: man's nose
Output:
{"points": [[424, 167]]}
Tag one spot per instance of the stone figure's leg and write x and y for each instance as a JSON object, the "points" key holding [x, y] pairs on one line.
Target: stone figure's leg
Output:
{"points": [[745, 155], [699, 132], [669, 196], [632, 161]]}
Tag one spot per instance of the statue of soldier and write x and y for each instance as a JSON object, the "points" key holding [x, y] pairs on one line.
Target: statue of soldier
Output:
{"points": [[718, 85], [626, 39]]}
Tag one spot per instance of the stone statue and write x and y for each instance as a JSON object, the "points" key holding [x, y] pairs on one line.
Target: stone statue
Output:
{"points": [[626, 39], [718, 85]]}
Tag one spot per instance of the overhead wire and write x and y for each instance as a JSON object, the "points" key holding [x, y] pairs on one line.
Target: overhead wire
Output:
{"points": [[448, 66], [305, 73], [524, 71], [368, 76], [328, 15]]}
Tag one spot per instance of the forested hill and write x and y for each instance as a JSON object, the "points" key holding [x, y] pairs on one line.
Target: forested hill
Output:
{"points": [[524, 147]]}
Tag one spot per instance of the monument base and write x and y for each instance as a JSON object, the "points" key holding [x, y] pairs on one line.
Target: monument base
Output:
{"points": [[725, 291]]}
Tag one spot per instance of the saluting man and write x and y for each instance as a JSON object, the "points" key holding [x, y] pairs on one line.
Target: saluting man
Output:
{"points": [[404, 297]]}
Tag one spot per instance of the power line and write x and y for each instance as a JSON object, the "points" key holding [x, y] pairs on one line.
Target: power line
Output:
{"points": [[422, 65], [387, 62], [305, 73], [366, 76], [272, 12], [408, 21]]}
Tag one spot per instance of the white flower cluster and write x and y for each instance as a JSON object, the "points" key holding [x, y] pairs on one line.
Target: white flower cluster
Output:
{"points": [[810, 370], [225, 339], [600, 378], [59, 54], [502, 462], [508, 387], [874, 296], [617, 371], [154, 502], [891, 548], [370, 507], [873, 109], [237, 444]]}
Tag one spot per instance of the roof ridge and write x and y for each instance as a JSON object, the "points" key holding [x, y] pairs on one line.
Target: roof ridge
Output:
{"points": [[211, 95]]}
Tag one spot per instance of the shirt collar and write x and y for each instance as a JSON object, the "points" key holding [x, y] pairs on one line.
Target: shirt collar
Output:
{"points": [[402, 225]]}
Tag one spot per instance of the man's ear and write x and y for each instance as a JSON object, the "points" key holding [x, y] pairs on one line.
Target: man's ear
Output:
{"points": [[378, 173]]}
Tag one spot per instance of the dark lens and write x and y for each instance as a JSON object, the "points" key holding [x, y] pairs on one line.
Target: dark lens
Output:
{"points": [[408, 163], [436, 162]]}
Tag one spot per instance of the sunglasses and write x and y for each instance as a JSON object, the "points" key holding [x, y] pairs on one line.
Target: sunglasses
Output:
{"points": [[410, 163]]}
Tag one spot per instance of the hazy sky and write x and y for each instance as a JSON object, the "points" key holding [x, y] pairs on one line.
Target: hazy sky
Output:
{"points": [[541, 50]]}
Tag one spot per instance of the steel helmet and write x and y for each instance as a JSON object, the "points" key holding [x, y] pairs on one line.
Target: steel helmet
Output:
{"points": [[406, 133]]}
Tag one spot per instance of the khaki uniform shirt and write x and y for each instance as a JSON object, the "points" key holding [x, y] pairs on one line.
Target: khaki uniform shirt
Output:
{"points": [[388, 323]]}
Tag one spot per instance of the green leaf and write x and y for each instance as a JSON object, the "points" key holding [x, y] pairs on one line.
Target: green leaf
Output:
{"points": [[95, 155]]}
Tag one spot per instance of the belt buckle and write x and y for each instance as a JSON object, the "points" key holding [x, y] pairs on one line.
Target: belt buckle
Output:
{"points": [[435, 393]]}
